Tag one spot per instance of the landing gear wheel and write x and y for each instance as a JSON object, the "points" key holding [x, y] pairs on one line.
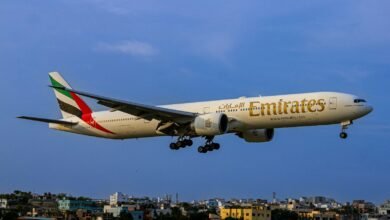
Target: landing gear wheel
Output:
{"points": [[173, 146], [180, 144], [343, 135], [209, 147], [189, 142], [202, 149], [216, 146]]}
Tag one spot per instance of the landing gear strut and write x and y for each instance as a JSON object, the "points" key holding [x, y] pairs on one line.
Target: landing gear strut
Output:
{"points": [[209, 146], [344, 126], [181, 142]]}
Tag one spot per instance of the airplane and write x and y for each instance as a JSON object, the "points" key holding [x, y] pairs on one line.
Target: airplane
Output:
{"points": [[253, 119]]}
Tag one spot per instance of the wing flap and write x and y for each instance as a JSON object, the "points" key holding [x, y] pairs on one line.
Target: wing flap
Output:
{"points": [[46, 120]]}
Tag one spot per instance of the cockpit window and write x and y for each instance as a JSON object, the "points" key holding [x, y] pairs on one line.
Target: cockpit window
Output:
{"points": [[359, 100]]}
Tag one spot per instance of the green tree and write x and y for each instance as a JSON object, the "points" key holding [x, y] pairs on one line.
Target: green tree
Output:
{"points": [[281, 214], [199, 216], [82, 198], [126, 216], [10, 216]]}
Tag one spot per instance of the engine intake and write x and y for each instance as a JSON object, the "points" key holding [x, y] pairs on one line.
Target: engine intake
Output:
{"points": [[257, 135], [210, 124]]}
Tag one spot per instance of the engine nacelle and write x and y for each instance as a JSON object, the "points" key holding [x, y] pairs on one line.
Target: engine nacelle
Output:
{"points": [[210, 124], [258, 135]]}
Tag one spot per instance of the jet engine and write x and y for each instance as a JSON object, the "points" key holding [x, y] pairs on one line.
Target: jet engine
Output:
{"points": [[210, 124], [257, 135]]}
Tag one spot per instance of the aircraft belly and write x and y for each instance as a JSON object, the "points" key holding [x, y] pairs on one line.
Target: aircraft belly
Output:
{"points": [[138, 129]]}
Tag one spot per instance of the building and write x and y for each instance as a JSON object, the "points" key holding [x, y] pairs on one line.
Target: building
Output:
{"points": [[163, 211], [74, 205], [384, 209], [118, 198], [363, 206], [293, 204], [211, 203], [317, 215], [41, 207], [320, 202], [117, 210], [3, 203], [34, 218], [246, 213]]}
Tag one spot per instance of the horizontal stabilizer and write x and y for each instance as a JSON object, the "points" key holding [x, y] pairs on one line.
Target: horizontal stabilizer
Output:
{"points": [[48, 120]]}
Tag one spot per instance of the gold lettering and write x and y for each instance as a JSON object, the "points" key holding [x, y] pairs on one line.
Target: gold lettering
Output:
{"points": [[280, 107], [311, 104], [251, 108], [321, 103], [303, 107], [295, 107], [286, 107], [268, 106]]}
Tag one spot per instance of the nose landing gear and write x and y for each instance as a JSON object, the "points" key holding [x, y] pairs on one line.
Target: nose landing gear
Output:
{"points": [[344, 126]]}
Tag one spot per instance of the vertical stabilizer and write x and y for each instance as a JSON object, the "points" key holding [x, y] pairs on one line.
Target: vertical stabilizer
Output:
{"points": [[70, 104]]}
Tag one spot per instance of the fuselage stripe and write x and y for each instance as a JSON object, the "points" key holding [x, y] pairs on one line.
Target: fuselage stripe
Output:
{"points": [[69, 108], [87, 114]]}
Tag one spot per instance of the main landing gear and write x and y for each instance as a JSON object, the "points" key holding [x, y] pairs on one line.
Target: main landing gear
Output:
{"points": [[209, 146], [344, 126], [181, 142]]}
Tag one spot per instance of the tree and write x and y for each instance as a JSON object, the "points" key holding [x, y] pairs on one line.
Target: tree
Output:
{"points": [[177, 214], [10, 215], [281, 214], [199, 216], [126, 216]]}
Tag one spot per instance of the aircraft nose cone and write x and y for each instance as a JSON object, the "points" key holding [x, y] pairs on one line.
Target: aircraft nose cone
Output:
{"points": [[369, 109]]}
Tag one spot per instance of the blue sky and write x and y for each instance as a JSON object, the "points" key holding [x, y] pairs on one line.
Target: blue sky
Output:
{"points": [[160, 52]]}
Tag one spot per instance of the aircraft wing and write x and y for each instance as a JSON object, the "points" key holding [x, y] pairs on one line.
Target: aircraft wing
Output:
{"points": [[147, 112]]}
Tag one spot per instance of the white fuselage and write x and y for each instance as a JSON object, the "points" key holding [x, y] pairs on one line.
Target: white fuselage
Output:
{"points": [[307, 109]]}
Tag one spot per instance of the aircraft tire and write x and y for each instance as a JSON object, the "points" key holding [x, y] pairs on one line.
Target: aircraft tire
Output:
{"points": [[180, 144], [343, 135], [189, 142], [173, 146]]}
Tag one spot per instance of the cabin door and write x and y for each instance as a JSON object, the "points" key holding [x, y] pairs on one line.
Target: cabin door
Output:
{"points": [[333, 103]]}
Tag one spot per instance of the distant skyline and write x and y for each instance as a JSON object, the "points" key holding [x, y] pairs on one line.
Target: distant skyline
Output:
{"points": [[170, 52], [173, 197]]}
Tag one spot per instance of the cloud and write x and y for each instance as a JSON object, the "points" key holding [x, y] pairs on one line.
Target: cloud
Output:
{"points": [[217, 46], [353, 75], [134, 48], [213, 46], [356, 25]]}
